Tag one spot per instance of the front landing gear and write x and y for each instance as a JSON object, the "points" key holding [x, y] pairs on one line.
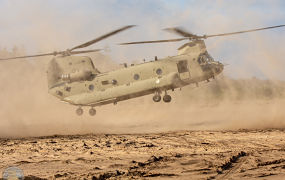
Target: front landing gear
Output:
{"points": [[79, 111]]}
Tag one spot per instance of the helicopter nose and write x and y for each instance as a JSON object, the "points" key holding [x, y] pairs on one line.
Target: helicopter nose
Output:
{"points": [[219, 67]]}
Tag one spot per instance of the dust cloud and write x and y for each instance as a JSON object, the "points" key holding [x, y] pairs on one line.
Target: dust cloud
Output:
{"points": [[225, 103], [232, 101]]}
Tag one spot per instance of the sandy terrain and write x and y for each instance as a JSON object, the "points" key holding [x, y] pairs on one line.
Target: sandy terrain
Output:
{"points": [[245, 154]]}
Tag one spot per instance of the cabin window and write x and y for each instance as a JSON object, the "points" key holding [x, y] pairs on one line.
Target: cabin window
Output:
{"points": [[105, 82], [67, 89], [182, 66], [114, 81], [91, 87], [158, 71], [136, 77], [59, 93]]}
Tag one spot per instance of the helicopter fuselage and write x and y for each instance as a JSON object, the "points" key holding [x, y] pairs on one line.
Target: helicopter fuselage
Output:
{"points": [[86, 86], [74, 79]]}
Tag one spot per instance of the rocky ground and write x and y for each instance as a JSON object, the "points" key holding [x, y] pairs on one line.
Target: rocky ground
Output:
{"points": [[242, 154]]}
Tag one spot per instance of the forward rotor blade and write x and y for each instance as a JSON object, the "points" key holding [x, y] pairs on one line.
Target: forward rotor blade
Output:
{"points": [[102, 37], [239, 32], [37, 55], [157, 41], [181, 32], [86, 51]]}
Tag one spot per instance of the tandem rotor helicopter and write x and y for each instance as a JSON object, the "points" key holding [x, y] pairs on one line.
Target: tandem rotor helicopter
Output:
{"points": [[74, 79]]}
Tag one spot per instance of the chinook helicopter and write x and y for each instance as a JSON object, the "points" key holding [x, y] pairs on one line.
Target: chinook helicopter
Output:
{"points": [[74, 79]]}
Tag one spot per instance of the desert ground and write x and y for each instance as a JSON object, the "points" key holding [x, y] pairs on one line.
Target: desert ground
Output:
{"points": [[238, 154]]}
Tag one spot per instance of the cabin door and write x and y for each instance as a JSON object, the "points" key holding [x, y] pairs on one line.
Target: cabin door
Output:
{"points": [[183, 70]]}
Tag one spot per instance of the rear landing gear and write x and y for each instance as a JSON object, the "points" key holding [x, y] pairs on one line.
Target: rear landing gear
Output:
{"points": [[92, 111], [79, 111]]}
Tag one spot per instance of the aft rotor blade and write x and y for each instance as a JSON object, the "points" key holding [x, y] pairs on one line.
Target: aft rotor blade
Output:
{"points": [[239, 32], [102, 37], [182, 32], [157, 41], [37, 55], [86, 51]]}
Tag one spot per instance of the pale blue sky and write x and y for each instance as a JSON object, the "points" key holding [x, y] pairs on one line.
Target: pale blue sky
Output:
{"points": [[42, 25]]}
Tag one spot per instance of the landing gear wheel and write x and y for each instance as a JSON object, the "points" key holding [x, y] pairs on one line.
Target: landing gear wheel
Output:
{"points": [[167, 98], [79, 111], [156, 98], [92, 112]]}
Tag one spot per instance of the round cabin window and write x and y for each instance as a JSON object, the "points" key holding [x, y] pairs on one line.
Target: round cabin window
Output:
{"points": [[91, 87], [158, 71], [136, 77]]}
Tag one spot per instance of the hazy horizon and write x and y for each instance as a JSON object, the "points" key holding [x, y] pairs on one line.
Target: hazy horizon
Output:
{"points": [[44, 26]]}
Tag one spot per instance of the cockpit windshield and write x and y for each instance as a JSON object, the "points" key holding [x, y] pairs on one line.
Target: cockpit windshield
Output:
{"points": [[205, 58]]}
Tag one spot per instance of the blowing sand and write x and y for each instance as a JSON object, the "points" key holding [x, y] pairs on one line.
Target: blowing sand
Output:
{"points": [[196, 136]]}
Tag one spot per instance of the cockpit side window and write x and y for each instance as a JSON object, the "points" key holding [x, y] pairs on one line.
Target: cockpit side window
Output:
{"points": [[209, 57], [204, 58], [201, 59]]}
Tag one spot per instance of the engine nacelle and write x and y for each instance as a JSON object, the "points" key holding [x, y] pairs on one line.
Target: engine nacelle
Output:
{"points": [[77, 76]]}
